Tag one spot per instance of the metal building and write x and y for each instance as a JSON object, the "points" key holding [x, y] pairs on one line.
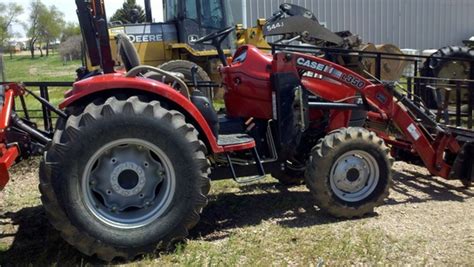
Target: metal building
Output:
{"points": [[417, 24]]}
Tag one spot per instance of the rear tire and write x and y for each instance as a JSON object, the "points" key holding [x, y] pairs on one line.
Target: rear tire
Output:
{"points": [[184, 67], [114, 189], [439, 66], [433, 66], [349, 173]]}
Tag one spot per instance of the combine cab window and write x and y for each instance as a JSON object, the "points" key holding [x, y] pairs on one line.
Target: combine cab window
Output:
{"points": [[212, 14], [191, 9], [171, 10]]}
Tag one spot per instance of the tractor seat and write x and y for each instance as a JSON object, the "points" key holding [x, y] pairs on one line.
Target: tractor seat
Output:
{"points": [[127, 52], [131, 60]]}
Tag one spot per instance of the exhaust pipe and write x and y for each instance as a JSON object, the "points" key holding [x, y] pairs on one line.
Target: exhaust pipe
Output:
{"points": [[148, 14]]}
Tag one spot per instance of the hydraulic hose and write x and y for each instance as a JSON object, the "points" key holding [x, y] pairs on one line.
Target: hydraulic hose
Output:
{"points": [[35, 134]]}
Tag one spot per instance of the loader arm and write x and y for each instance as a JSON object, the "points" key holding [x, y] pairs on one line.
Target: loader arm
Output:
{"points": [[396, 108], [383, 103]]}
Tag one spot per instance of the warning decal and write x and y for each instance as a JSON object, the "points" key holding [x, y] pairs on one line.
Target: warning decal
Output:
{"points": [[413, 132]]}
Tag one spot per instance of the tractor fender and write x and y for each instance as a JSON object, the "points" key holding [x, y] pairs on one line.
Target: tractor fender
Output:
{"points": [[116, 81]]}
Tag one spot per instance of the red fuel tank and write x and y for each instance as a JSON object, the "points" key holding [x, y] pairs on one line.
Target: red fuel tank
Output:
{"points": [[247, 84]]}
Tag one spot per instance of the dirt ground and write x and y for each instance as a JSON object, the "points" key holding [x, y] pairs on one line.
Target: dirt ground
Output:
{"points": [[425, 221]]}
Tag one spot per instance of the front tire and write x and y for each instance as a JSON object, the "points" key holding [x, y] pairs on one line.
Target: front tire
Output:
{"points": [[349, 173], [123, 178]]}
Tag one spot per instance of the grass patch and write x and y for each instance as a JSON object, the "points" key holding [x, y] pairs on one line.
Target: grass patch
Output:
{"points": [[4, 247], [40, 69], [262, 224], [278, 245]]}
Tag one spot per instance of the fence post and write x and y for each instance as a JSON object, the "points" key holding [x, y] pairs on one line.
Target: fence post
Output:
{"points": [[458, 104], [378, 66], [48, 122], [2, 68], [471, 94], [410, 88]]}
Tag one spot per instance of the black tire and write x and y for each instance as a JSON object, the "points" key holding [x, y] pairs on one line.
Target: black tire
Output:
{"points": [[435, 63], [74, 144], [184, 67], [467, 184], [327, 154], [289, 177], [435, 66]]}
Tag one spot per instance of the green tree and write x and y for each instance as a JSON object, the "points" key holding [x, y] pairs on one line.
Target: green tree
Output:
{"points": [[37, 9], [70, 29], [50, 26], [8, 16], [129, 13], [44, 27]]}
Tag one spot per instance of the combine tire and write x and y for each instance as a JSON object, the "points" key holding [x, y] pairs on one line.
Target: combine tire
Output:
{"points": [[349, 173], [124, 178], [184, 67], [438, 65]]}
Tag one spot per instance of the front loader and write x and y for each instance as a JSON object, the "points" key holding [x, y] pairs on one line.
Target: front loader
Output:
{"points": [[128, 168]]}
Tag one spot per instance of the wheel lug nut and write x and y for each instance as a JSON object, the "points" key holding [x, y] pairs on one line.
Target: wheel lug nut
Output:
{"points": [[114, 160], [148, 203], [113, 209], [146, 164], [93, 182]]}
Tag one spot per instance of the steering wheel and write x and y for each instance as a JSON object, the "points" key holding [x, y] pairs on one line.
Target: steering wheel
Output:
{"points": [[216, 39], [215, 35]]}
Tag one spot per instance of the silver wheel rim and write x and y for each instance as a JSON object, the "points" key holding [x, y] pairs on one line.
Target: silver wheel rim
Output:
{"points": [[354, 176], [128, 183]]}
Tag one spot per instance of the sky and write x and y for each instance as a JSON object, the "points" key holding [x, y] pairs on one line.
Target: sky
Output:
{"points": [[68, 7]]}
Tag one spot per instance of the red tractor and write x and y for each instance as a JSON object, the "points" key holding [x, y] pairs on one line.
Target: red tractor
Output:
{"points": [[129, 166]]}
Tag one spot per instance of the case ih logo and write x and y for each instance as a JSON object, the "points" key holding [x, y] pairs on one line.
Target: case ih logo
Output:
{"points": [[348, 78], [274, 26]]}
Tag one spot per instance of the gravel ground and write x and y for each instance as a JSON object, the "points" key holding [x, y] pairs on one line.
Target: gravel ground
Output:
{"points": [[426, 220]]}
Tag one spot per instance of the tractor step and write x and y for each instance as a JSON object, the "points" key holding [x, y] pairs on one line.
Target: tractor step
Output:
{"points": [[234, 139], [240, 142], [235, 142], [249, 179]]}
